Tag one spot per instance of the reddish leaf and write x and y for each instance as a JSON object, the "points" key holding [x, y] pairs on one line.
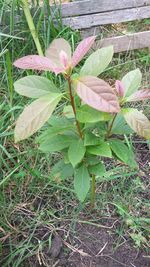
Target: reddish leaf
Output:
{"points": [[82, 49], [36, 62], [139, 95], [120, 88], [56, 47], [97, 94], [63, 59]]}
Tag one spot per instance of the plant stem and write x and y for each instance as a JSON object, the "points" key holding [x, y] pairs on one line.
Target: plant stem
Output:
{"points": [[74, 107], [31, 26], [93, 192], [111, 125]]}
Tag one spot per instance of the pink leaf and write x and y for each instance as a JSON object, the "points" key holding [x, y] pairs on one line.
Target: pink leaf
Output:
{"points": [[139, 95], [55, 48], [97, 94], [120, 88], [64, 59], [82, 49], [36, 62]]}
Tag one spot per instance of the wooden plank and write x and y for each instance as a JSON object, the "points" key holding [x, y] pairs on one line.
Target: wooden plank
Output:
{"points": [[96, 6], [87, 21], [127, 42]]}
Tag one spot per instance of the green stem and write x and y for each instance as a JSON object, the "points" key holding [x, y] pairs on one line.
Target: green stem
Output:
{"points": [[93, 193], [111, 125], [74, 107], [31, 26]]}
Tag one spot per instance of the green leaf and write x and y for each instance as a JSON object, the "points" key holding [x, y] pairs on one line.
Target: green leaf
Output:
{"points": [[98, 169], [81, 182], [86, 114], [91, 140], [59, 121], [56, 170], [68, 112], [35, 115], [137, 121], [92, 160], [132, 81], [123, 152], [55, 130], [120, 126], [61, 170], [97, 61], [76, 152], [56, 143], [67, 171], [100, 150], [34, 86]]}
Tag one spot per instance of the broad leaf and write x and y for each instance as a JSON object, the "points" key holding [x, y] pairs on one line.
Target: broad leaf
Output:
{"points": [[35, 115], [100, 150], [97, 62], [59, 121], [68, 112], [92, 160], [132, 81], [82, 49], [120, 126], [97, 94], [53, 52], [137, 121], [34, 86], [119, 88], [139, 95], [76, 152], [81, 182], [98, 169], [56, 170], [91, 140], [66, 171], [56, 143], [123, 152], [55, 130], [36, 62], [87, 114]]}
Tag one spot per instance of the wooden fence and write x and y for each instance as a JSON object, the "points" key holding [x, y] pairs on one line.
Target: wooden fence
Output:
{"points": [[89, 15]]}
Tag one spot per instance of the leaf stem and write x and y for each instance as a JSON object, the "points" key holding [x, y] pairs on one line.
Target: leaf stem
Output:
{"points": [[30, 22], [111, 125], [93, 194], [74, 107]]}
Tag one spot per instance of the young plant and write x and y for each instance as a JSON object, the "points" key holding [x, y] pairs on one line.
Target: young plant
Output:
{"points": [[94, 119]]}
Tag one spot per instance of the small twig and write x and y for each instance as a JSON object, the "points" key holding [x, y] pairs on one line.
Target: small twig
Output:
{"points": [[101, 249], [81, 252]]}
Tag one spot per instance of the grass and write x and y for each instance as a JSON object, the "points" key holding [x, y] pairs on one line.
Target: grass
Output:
{"points": [[33, 204]]}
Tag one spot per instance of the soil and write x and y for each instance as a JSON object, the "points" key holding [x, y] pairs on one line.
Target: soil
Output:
{"points": [[93, 246], [86, 244]]}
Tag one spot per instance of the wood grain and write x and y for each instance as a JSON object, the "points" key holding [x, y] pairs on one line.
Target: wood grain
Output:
{"points": [[96, 6], [87, 21], [126, 42]]}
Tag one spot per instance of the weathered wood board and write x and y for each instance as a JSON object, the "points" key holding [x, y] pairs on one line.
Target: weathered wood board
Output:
{"points": [[126, 42], [85, 7], [112, 17]]}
